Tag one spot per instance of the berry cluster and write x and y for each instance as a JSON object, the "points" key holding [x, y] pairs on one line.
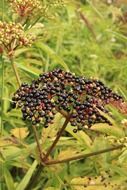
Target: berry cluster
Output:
{"points": [[62, 91], [12, 36], [26, 8]]}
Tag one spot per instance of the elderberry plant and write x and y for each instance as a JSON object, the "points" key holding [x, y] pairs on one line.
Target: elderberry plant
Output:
{"points": [[60, 91]]}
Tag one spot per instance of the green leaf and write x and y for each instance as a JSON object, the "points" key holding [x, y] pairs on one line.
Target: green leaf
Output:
{"points": [[123, 157], [6, 101], [20, 51], [52, 55], [27, 177], [69, 129], [85, 139], [110, 130], [27, 70], [8, 179]]}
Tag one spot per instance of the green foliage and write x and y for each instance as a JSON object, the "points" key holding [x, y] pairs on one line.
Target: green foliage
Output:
{"points": [[88, 38]]}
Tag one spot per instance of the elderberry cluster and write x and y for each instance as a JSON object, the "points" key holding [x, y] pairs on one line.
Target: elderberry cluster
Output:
{"points": [[26, 8], [12, 36], [60, 91]]}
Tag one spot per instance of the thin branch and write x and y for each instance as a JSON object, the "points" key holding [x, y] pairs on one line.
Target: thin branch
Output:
{"points": [[87, 23], [41, 154], [62, 112], [16, 72], [40, 168], [2, 94], [83, 156], [59, 134]]}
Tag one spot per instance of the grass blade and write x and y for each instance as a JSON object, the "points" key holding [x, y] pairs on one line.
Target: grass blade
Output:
{"points": [[27, 177], [8, 179]]}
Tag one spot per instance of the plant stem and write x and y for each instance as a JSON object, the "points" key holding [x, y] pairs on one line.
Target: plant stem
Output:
{"points": [[40, 168], [87, 23], [78, 157], [34, 128], [56, 139], [41, 154], [3, 5], [34, 178], [83, 156], [16, 72], [2, 93], [62, 112]]}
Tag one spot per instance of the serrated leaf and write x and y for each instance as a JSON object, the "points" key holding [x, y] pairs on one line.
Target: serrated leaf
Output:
{"points": [[67, 153], [92, 183], [85, 138], [69, 129], [20, 133], [5, 142], [51, 131], [108, 129], [123, 157], [11, 151]]}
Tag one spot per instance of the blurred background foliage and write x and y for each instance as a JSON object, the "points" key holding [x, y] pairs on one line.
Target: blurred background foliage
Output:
{"points": [[88, 38]]}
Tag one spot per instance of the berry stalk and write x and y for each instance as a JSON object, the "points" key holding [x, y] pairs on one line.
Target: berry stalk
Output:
{"points": [[59, 134], [41, 154], [15, 72], [78, 157], [83, 156], [40, 168], [2, 93]]}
